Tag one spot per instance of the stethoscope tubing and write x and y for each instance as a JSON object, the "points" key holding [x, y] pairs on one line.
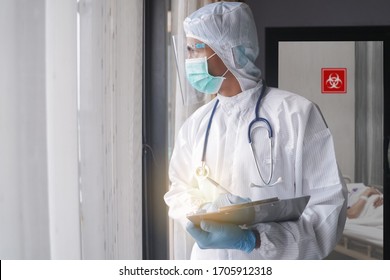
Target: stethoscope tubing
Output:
{"points": [[254, 121], [206, 138]]}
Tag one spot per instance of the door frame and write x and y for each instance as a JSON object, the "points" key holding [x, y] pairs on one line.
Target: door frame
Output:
{"points": [[274, 35]]}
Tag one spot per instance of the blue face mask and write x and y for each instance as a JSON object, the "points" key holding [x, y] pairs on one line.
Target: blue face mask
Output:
{"points": [[199, 77]]}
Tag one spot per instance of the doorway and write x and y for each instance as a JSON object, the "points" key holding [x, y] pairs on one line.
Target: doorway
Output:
{"points": [[342, 70]]}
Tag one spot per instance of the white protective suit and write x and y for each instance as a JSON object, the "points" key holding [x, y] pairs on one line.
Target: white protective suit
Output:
{"points": [[303, 157]]}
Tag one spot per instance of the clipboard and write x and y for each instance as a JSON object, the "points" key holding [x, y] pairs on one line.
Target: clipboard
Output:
{"points": [[261, 211]]}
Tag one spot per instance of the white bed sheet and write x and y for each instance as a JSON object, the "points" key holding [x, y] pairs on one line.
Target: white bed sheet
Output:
{"points": [[370, 234]]}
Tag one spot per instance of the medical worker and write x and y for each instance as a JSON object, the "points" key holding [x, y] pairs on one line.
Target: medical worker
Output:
{"points": [[291, 152]]}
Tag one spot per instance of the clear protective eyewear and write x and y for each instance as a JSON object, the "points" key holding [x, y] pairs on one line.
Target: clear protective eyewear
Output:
{"points": [[196, 50]]}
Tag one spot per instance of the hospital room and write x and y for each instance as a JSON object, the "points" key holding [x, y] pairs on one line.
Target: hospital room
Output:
{"points": [[124, 124]]}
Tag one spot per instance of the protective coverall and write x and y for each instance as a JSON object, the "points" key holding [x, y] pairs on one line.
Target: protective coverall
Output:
{"points": [[303, 159]]}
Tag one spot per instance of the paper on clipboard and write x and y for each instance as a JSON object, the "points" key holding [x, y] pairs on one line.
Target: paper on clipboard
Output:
{"points": [[261, 211]]}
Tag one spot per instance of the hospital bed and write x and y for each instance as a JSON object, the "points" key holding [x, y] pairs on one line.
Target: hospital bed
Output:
{"points": [[363, 237]]}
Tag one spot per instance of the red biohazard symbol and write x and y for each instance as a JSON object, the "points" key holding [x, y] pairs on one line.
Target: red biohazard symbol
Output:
{"points": [[334, 80]]}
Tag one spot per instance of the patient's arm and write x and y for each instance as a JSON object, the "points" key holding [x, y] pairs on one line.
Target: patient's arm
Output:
{"points": [[378, 201], [355, 210]]}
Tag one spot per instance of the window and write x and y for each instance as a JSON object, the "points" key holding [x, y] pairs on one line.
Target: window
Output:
{"points": [[71, 145]]}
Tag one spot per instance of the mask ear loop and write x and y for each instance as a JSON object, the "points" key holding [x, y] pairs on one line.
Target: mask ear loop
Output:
{"points": [[211, 56], [227, 69]]}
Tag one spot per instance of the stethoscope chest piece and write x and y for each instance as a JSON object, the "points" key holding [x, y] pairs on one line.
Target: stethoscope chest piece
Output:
{"points": [[202, 171]]}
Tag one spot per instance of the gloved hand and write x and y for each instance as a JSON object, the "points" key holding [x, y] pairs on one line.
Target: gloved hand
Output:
{"points": [[224, 199], [213, 235]]}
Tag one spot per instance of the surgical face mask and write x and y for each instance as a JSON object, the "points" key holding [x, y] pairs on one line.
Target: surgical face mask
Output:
{"points": [[199, 77]]}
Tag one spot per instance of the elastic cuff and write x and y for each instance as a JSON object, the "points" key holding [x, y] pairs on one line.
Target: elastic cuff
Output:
{"points": [[364, 197], [258, 240]]}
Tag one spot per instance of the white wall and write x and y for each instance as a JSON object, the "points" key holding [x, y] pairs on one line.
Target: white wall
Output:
{"points": [[300, 66]]}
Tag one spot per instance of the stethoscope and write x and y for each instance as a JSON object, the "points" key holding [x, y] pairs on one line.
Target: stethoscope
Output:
{"points": [[203, 170]]}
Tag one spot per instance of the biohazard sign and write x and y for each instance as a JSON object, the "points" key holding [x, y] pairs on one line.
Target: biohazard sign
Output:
{"points": [[334, 80]]}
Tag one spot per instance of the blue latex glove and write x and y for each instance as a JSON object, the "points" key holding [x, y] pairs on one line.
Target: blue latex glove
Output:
{"points": [[213, 235], [224, 199]]}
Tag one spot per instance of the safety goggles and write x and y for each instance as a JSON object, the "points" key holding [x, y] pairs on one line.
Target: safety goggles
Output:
{"points": [[196, 50]]}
